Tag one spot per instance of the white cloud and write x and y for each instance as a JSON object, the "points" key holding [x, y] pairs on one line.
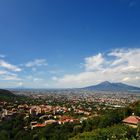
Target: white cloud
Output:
{"points": [[118, 65], [36, 62], [20, 84], [94, 62], [2, 72], [8, 76], [6, 65], [54, 78], [126, 55], [115, 66], [126, 79], [137, 78], [132, 79]]}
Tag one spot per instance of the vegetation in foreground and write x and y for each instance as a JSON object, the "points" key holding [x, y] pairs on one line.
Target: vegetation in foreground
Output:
{"points": [[107, 126]]}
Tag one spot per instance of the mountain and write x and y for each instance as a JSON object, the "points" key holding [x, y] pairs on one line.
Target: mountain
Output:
{"points": [[6, 93], [108, 86]]}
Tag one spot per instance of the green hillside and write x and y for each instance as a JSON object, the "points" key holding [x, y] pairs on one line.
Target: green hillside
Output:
{"points": [[6, 95]]}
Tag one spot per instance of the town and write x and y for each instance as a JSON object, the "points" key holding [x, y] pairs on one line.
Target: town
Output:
{"points": [[44, 107]]}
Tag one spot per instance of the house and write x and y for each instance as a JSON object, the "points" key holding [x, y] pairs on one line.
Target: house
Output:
{"points": [[132, 121], [50, 121], [37, 126]]}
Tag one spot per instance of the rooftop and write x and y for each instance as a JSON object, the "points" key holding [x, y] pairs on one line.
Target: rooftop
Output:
{"points": [[132, 120]]}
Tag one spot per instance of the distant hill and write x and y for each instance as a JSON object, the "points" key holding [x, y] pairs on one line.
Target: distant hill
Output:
{"points": [[6, 93], [108, 86]]}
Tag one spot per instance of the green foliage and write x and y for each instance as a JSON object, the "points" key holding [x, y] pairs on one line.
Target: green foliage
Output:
{"points": [[117, 132], [135, 107], [77, 129], [12, 127], [4, 135], [106, 126]]}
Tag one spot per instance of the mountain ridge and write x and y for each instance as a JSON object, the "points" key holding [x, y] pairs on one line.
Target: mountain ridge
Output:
{"points": [[109, 86]]}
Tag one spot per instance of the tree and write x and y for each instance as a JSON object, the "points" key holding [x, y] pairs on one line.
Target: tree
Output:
{"points": [[77, 129], [4, 135]]}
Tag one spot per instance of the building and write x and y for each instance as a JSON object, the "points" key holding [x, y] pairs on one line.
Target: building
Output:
{"points": [[50, 121], [132, 121], [37, 125]]}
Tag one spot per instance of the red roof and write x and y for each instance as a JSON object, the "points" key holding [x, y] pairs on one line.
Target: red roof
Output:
{"points": [[132, 120], [40, 125]]}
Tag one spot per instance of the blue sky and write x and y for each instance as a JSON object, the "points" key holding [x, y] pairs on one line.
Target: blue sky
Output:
{"points": [[67, 43]]}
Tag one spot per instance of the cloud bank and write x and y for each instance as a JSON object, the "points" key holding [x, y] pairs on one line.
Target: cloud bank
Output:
{"points": [[119, 65]]}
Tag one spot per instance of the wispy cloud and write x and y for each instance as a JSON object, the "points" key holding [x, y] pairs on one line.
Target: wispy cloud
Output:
{"points": [[36, 63], [5, 75], [2, 72], [11, 77], [7, 65], [20, 84], [94, 62]]}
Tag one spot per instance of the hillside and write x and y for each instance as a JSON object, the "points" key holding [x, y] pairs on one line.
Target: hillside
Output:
{"points": [[108, 86], [6, 93]]}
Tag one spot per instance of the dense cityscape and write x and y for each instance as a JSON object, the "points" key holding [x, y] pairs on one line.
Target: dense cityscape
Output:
{"points": [[75, 109]]}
